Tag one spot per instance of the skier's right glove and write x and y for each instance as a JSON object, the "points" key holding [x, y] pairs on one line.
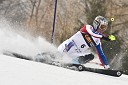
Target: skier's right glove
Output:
{"points": [[106, 67], [109, 38], [112, 37]]}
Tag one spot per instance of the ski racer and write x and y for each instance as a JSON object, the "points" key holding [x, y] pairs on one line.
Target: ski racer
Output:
{"points": [[76, 47]]}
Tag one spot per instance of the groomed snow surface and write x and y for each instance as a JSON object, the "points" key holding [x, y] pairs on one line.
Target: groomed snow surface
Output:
{"points": [[14, 71]]}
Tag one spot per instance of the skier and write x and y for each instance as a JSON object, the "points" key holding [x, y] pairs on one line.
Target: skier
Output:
{"points": [[88, 36]]}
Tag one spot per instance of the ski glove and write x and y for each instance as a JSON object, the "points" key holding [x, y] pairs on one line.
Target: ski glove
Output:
{"points": [[112, 37], [109, 38]]}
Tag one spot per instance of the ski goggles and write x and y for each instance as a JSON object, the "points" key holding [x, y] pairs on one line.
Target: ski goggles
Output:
{"points": [[103, 27]]}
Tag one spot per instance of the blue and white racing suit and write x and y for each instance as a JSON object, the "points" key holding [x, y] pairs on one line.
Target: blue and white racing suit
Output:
{"points": [[78, 44]]}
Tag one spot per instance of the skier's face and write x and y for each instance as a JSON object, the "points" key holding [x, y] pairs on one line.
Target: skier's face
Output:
{"points": [[102, 28]]}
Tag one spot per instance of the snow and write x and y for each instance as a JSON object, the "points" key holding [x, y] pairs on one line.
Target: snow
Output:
{"points": [[14, 71]]}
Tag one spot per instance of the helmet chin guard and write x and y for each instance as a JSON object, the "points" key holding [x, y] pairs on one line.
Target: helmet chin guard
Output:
{"points": [[98, 22]]}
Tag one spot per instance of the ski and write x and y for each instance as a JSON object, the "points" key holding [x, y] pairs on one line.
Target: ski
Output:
{"points": [[110, 72], [76, 67]]}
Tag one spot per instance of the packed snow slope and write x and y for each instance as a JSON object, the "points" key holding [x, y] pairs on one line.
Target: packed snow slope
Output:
{"points": [[14, 71]]}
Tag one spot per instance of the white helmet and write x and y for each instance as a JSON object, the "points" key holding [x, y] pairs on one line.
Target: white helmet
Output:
{"points": [[100, 22]]}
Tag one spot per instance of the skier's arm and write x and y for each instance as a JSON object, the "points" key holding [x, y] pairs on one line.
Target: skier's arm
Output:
{"points": [[105, 38], [88, 28], [102, 56]]}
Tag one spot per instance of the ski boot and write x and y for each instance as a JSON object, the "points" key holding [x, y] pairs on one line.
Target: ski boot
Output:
{"points": [[86, 58]]}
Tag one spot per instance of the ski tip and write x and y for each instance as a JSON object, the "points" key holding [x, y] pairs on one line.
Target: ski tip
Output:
{"points": [[119, 73]]}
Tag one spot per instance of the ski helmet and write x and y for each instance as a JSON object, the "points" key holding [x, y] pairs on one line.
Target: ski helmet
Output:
{"points": [[100, 23]]}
